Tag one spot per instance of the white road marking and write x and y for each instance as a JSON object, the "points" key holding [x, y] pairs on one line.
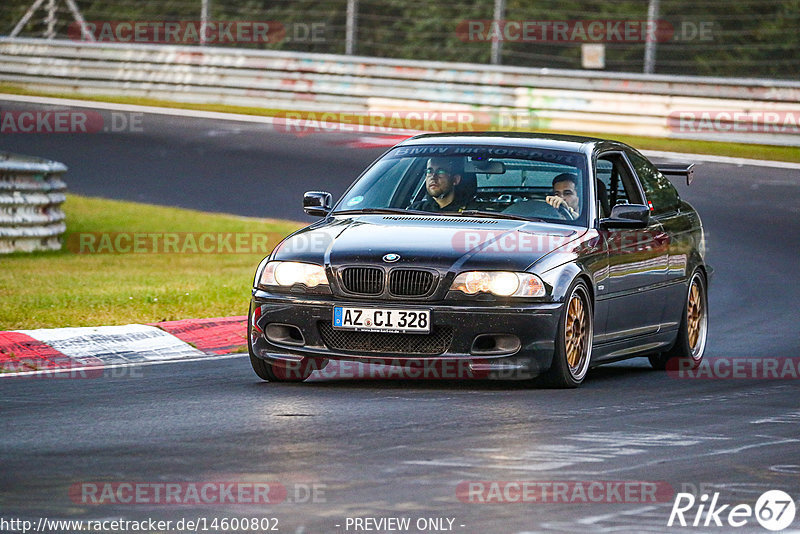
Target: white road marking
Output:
{"points": [[121, 365], [628, 439], [547, 457], [180, 112], [708, 158], [735, 450], [788, 418], [590, 520], [236, 117]]}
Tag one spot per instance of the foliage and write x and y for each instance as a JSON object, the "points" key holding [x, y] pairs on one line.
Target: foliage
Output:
{"points": [[746, 38]]}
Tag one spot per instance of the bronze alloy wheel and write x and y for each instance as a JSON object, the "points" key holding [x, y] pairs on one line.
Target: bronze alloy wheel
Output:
{"points": [[578, 333], [694, 313], [573, 342], [696, 317], [693, 331], [575, 331]]}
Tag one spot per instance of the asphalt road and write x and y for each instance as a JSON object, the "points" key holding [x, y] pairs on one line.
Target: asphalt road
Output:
{"points": [[388, 448]]}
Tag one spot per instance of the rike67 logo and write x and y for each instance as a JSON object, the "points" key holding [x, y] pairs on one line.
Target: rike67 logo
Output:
{"points": [[774, 510]]}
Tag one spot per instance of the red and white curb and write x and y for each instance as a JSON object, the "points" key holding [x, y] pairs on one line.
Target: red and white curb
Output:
{"points": [[59, 350]]}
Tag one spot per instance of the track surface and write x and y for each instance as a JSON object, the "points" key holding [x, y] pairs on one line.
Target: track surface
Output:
{"points": [[399, 448]]}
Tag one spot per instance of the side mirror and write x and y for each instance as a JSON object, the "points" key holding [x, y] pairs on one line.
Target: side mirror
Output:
{"points": [[627, 216], [317, 203]]}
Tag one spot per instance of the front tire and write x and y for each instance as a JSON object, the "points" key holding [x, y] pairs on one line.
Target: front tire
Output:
{"points": [[280, 371], [573, 343], [693, 332]]}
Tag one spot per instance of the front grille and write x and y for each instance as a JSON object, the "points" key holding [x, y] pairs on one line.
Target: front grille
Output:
{"points": [[437, 342], [410, 282], [363, 280]]}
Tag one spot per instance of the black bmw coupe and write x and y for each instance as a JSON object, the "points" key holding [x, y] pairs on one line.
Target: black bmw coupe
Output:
{"points": [[511, 255]]}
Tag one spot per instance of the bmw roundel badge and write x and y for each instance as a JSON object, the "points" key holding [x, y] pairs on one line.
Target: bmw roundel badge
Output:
{"points": [[391, 257]]}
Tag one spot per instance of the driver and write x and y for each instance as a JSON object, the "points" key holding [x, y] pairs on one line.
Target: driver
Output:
{"points": [[565, 195], [442, 176]]}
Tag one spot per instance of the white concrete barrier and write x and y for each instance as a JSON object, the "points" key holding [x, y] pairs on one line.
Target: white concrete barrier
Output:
{"points": [[720, 109]]}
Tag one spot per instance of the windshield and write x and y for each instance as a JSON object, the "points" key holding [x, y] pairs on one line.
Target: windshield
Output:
{"points": [[503, 181]]}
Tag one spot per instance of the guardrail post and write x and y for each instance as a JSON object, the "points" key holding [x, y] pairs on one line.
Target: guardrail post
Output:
{"points": [[650, 42], [352, 27], [203, 21], [497, 44], [51, 19]]}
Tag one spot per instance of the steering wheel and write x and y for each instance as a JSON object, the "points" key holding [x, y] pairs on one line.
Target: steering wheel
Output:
{"points": [[563, 210], [536, 208]]}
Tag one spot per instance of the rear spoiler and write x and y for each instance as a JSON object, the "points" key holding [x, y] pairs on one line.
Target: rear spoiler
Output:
{"points": [[678, 169]]}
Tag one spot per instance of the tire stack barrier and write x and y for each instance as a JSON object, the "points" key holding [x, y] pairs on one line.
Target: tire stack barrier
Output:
{"points": [[31, 194]]}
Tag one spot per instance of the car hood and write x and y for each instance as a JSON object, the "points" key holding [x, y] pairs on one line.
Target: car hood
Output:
{"points": [[441, 242]]}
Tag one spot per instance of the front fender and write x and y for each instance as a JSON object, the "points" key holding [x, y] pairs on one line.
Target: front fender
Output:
{"points": [[562, 277]]}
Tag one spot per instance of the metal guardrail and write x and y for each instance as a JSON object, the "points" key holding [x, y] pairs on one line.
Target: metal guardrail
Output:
{"points": [[584, 101], [31, 194]]}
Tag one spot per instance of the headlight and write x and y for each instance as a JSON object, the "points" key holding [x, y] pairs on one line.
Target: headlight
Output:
{"points": [[289, 273], [500, 283]]}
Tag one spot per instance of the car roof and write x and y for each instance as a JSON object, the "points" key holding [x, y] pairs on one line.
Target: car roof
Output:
{"points": [[524, 139]]}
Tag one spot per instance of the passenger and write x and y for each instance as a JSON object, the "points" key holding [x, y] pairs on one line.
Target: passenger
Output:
{"points": [[442, 176], [565, 195]]}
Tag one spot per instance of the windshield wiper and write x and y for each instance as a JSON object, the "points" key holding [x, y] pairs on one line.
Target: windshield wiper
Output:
{"points": [[466, 213], [498, 214], [390, 211]]}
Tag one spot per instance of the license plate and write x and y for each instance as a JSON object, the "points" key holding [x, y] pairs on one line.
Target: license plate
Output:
{"points": [[382, 320]]}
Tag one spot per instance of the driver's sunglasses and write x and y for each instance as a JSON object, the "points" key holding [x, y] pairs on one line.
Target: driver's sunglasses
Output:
{"points": [[439, 172]]}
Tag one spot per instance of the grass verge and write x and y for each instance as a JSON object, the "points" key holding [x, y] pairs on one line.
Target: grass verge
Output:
{"points": [[75, 287], [739, 150]]}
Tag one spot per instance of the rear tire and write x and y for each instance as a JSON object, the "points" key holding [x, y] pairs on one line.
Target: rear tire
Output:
{"points": [[573, 343], [693, 332]]}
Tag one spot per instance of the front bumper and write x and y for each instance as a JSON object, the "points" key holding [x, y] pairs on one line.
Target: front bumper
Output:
{"points": [[534, 325]]}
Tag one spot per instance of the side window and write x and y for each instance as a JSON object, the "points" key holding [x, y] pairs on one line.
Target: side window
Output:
{"points": [[615, 184], [409, 177], [661, 195]]}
